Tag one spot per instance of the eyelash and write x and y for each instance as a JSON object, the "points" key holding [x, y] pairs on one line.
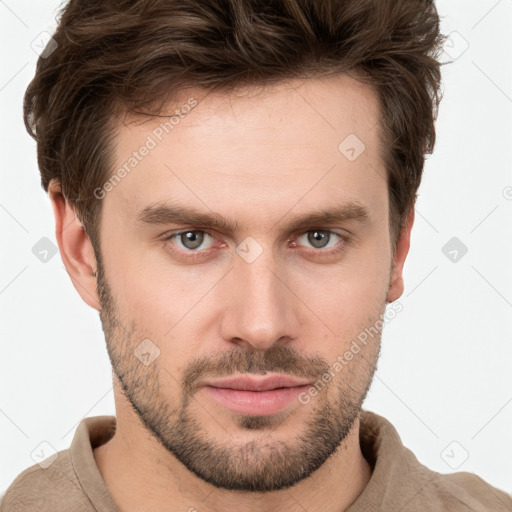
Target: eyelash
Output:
{"points": [[195, 254]]}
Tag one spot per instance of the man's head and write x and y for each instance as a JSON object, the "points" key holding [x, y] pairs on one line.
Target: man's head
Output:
{"points": [[260, 229]]}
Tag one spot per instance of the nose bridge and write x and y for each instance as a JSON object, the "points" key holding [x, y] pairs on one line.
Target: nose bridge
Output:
{"points": [[261, 306]]}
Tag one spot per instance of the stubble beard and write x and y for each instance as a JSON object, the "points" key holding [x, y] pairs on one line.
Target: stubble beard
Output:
{"points": [[267, 463]]}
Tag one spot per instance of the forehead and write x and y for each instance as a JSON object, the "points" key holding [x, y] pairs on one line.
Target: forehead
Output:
{"points": [[310, 142]]}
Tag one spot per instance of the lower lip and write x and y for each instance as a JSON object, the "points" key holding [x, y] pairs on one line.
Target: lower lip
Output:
{"points": [[255, 403]]}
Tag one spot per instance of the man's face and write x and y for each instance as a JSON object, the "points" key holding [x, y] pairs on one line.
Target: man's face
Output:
{"points": [[256, 296]]}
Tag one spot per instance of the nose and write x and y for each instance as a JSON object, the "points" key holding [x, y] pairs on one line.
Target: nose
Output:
{"points": [[262, 309]]}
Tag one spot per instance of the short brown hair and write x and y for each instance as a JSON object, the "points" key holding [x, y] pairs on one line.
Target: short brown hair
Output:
{"points": [[115, 55]]}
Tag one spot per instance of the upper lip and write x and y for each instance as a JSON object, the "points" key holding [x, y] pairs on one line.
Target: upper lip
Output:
{"points": [[247, 383]]}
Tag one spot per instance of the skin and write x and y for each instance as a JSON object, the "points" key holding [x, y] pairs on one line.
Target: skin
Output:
{"points": [[259, 157]]}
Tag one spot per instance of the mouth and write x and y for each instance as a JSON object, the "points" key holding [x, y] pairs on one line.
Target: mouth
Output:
{"points": [[256, 396]]}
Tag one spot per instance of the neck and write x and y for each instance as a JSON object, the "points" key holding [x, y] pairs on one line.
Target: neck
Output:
{"points": [[141, 475]]}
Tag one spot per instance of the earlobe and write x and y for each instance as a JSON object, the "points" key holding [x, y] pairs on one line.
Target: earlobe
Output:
{"points": [[75, 247], [396, 285]]}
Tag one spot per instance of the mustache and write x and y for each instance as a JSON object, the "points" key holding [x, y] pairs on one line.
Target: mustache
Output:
{"points": [[277, 359]]}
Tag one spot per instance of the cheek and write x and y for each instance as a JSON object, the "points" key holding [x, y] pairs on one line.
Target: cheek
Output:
{"points": [[347, 306], [152, 293], [346, 298]]}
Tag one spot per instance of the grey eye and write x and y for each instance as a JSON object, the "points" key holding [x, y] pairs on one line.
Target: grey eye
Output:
{"points": [[191, 239], [319, 239]]}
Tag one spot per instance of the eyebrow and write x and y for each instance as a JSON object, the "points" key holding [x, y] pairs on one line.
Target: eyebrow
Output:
{"points": [[162, 213]]}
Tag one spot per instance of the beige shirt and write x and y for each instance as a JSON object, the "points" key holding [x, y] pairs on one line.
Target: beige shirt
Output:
{"points": [[399, 483]]}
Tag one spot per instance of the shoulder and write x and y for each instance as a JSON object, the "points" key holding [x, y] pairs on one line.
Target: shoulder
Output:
{"points": [[466, 491], [39, 488], [400, 482]]}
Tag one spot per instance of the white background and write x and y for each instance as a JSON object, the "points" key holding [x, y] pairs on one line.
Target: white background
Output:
{"points": [[444, 379]]}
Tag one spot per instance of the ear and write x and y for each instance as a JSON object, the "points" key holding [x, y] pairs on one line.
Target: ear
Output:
{"points": [[396, 285], [75, 247]]}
